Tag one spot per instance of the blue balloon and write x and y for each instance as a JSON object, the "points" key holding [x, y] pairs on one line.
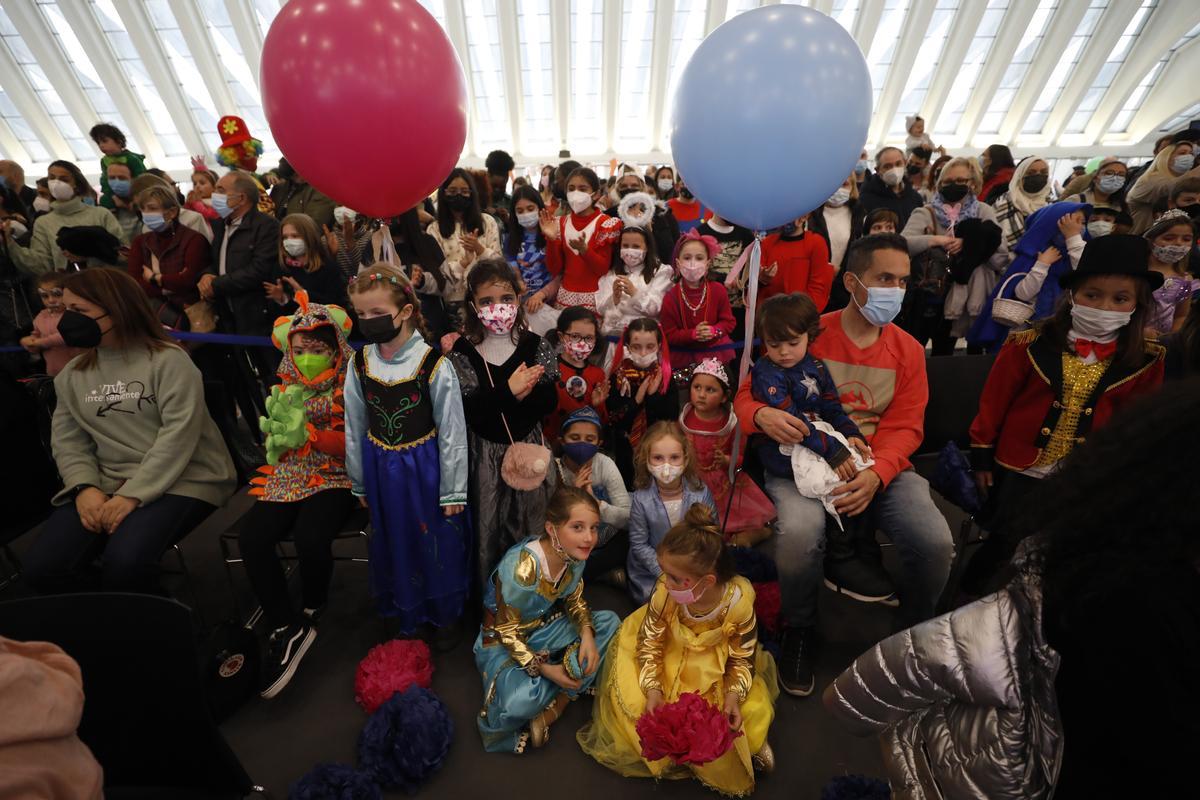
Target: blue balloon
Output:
{"points": [[770, 115]]}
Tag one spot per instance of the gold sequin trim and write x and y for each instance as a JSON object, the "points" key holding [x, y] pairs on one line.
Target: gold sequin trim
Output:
{"points": [[405, 445], [1079, 382]]}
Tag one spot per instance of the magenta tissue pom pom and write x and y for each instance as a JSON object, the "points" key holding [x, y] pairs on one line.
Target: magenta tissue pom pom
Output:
{"points": [[390, 668]]}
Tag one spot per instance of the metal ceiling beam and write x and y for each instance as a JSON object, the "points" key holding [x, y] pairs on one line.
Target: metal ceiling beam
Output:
{"points": [[610, 72], [824, 6], [916, 23], [1173, 92], [510, 60], [1008, 37], [145, 40], [22, 95], [866, 23], [660, 66], [560, 56], [204, 53], [87, 29], [715, 15], [958, 42], [249, 35], [12, 148], [1167, 22], [456, 29], [39, 38], [1050, 50], [1100, 44]]}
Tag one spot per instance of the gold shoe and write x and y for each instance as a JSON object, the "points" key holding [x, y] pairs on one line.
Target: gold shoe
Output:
{"points": [[539, 726], [764, 759]]}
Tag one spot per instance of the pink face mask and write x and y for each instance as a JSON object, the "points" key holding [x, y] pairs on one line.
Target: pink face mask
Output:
{"points": [[498, 317], [578, 349], [685, 597], [693, 272]]}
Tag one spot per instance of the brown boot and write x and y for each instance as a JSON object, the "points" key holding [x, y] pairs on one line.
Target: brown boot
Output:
{"points": [[539, 726]]}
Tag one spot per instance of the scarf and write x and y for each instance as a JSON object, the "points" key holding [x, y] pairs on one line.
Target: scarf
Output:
{"points": [[948, 216], [1020, 199]]}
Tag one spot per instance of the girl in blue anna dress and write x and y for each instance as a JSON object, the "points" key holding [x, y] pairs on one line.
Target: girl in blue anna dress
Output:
{"points": [[406, 453], [539, 646]]}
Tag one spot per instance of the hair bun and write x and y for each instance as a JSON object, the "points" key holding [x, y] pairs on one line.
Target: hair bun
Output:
{"points": [[702, 516]]}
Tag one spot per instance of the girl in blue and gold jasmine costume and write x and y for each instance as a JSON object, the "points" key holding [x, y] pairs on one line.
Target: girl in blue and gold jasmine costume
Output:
{"points": [[540, 646], [406, 453]]}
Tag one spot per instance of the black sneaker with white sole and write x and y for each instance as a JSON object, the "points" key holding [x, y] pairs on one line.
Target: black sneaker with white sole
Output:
{"points": [[795, 661], [862, 579], [285, 648]]}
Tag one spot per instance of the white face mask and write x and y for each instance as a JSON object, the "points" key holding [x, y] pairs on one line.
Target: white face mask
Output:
{"points": [[645, 360], [1097, 324], [892, 177], [60, 190], [632, 256], [666, 473], [341, 215], [579, 201], [295, 247], [529, 220], [665, 184], [41, 204], [1100, 227], [840, 197]]}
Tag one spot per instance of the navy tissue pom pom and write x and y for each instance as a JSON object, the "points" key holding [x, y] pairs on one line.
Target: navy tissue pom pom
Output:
{"points": [[754, 565], [406, 739], [855, 787], [335, 782]]}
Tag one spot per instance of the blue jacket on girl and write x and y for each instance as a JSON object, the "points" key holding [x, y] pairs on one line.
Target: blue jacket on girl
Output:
{"points": [[648, 525], [1041, 231]]}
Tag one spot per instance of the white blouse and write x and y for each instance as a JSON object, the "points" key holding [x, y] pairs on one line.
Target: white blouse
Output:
{"points": [[645, 302], [455, 290]]}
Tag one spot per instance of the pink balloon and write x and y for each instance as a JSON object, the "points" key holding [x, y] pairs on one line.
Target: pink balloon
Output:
{"points": [[366, 99]]}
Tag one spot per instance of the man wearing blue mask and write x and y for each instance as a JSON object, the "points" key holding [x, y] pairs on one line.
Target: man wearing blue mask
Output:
{"points": [[245, 255], [880, 375]]}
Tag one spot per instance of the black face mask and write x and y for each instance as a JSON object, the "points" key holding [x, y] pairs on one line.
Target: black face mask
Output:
{"points": [[1192, 211], [378, 330], [685, 193], [625, 192], [915, 169], [1032, 184], [953, 192], [458, 202], [80, 330]]}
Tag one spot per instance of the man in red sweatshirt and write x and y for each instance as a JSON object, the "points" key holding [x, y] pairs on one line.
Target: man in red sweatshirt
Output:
{"points": [[880, 374]]}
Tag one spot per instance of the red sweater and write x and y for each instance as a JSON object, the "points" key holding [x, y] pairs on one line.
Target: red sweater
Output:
{"points": [[582, 273], [803, 267], [1021, 401], [882, 388], [571, 397], [679, 323], [183, 256]]}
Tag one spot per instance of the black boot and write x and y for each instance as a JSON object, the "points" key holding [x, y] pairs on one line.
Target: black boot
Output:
{"points": [[854, 562], [795, 661]]}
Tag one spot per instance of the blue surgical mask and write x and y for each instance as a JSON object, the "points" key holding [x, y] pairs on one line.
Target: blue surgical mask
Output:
{"points": [[155, 222], [221, 205], [1111, 183], [579, 452], [1183, 163], [120, 187], [883, 303], [861, 167]]}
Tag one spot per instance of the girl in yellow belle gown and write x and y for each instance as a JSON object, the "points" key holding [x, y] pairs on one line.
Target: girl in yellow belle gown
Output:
{"points": [[697, 634]]}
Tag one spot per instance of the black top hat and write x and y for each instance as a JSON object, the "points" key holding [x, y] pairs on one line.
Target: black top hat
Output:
{"points": [[1115, 254]]}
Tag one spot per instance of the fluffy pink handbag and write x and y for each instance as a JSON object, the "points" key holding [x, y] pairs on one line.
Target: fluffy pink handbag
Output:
{"points": [[525, 464]]}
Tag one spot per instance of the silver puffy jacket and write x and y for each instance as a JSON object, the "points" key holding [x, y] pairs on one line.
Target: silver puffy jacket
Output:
{"points": [[964, 704]]}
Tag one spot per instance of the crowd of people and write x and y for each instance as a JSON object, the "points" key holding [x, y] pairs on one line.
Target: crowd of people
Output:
{"points": [[548, 392]]}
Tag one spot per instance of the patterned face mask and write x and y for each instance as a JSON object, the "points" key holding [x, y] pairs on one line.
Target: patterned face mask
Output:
{"points": [[498, 317]]}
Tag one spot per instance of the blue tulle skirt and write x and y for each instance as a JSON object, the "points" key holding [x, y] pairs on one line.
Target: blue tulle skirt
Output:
{"points": [[420, 558]]}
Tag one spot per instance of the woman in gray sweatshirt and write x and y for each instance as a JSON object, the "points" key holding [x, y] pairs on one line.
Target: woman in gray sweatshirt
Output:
{"points": [[141, 460]]}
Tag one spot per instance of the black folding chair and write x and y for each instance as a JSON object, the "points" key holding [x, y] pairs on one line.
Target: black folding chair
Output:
{"points": [[146, 718]]}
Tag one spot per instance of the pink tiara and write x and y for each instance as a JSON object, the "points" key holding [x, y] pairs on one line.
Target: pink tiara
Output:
{"points": [[710, 366]]}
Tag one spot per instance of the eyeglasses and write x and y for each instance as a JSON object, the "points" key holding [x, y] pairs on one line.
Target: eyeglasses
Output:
{"points": [[576, 338]]}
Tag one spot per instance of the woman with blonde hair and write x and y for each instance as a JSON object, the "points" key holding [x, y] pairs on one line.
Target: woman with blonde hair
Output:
{"points": [[937, 225], [1149, 194], [304, 263], [142, 462]]}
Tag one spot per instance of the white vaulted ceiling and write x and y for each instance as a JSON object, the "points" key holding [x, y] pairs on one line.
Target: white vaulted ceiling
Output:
{"points": [[1064, 77]]}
